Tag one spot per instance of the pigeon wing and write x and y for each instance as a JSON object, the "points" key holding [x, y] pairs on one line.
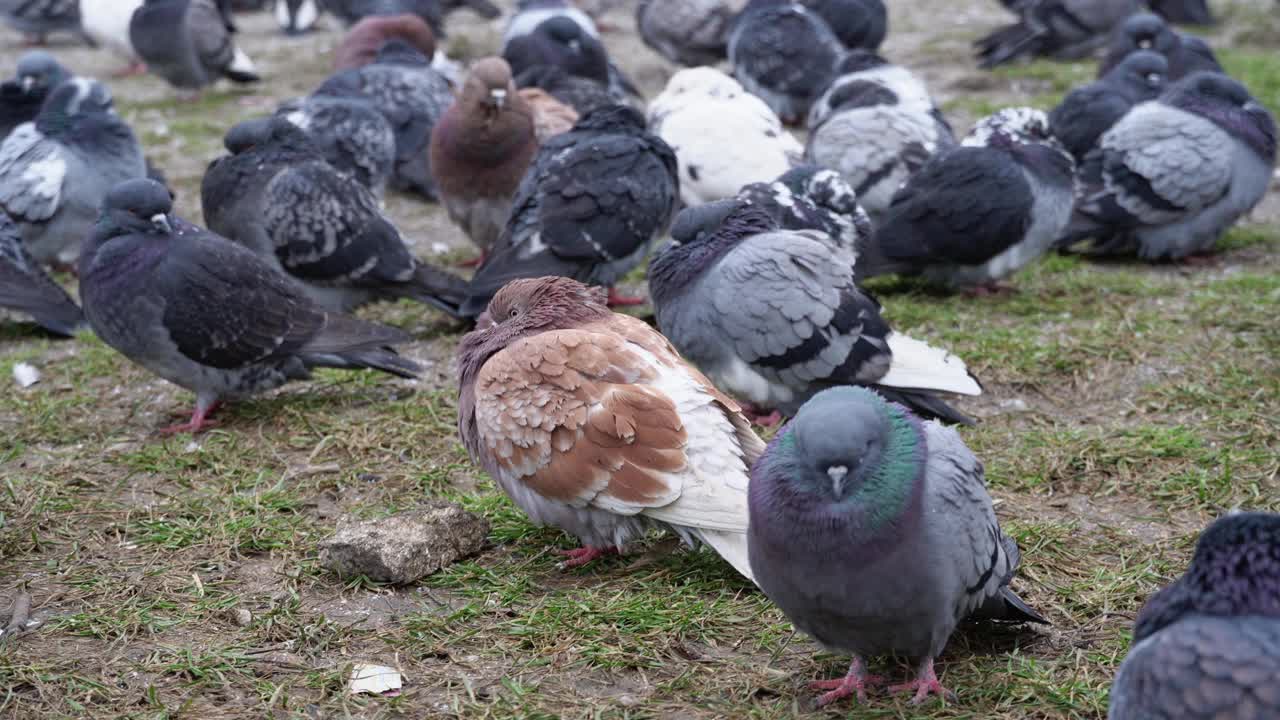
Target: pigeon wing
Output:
{"points": [[33, 169]]}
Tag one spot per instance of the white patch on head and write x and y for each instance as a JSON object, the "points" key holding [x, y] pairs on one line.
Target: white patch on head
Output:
{"points": [[84, 87], [300, 119], [1028, 124]]}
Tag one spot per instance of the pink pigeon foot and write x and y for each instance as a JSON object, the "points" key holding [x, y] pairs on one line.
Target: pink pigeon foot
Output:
{"points": [[855, 683], [991, 289], [137, 67], [583, 555], [473, 262], [926, 682], [34, 41], [1200, 260], [199, 421], [616, 300], [759, 417]]}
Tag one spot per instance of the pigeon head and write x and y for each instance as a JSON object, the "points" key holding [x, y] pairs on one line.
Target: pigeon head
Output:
{"points": [[361, 43], [1142, 73], [702, 82], [39, 72], [858, 60], [827, 188], [1235, 571], [1228, 104], [561, 41], [1009, 126], [398, 51], [861, 93], [489, 86], [247, 134], [611, 118], [137, 206], [1148, 31], [74, 99], [699, 237], [695, 223]]}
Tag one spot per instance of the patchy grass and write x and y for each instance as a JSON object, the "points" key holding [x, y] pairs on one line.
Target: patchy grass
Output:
{"points": [[1126, 406]]}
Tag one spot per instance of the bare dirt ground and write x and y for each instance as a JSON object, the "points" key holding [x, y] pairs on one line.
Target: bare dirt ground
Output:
{"points": [[1126, 406]]}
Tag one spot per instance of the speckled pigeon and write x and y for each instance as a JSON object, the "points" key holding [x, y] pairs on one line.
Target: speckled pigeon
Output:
{"points": [[351, 135], [1088, 111], [1174, 173], [55, 171], [593, 202], [276, 195], [433, 11], [858, 23], [774, 316], [37, 19], [563, 42], [189, 43], [874, 534], [21, 98], [808, 197], [980, 212], [582, 94], [1066, 29], [591, 422], [688, 32], [26, 288], [1207, 647], [207, 314], [1185, 53], [723, 136], [412, 96], [864, 79], [785, 54]]}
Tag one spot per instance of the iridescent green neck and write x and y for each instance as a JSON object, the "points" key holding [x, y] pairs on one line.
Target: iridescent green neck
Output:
{"points": [[887, 494]]}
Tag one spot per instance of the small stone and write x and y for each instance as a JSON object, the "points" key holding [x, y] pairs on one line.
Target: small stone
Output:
{"points": [[1014, 405], [241, 617], [407, 546]]}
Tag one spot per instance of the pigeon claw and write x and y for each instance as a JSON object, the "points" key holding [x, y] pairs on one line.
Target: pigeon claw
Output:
{"points": [[855, 683], [578, 557], [199, 422], [473, 262], [616, 300], [925, 684], [137, 67]]}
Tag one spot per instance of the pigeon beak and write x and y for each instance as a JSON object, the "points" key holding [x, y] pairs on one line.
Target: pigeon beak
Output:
{"points": [[499, 97], [1144, 44], [484, 321], [161, 222], [28, 82], [1253, 106], [837, 474]]}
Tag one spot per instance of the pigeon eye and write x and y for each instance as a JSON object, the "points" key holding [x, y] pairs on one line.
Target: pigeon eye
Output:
{"points": [[513, 312]]}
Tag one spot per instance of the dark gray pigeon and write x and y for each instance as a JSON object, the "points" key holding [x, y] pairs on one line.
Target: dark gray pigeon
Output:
{"points": [[208, 315], [530, 14], [873, 533], [189, 43], [351, 135], [1207, 647], [582, 94], [1185, 53], [38, 19], [1087, 112], [864, 79], [562, 41], [26, 288], [1183, 12], [980, 212], [276, 195], [774, 316], [411, 95], [37, 75], [1168, 179], [55, 171], [809, 197], [688, 32], [858, 23], [591, 205], [784, 53], [1065, 29], [433, 11]]}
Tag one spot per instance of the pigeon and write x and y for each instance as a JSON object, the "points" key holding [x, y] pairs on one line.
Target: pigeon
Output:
{"points": [[864, 78], [1088, 111], [55, 171], [207, 314], [591, 422], [295, 17], [401, 85], [480, 151], [26, 288], [564, 43], [858, 23], [873, 532], [532, 13], [188, 43], [1184, 12], [360, 45], [38, 73], [688, 32], [1064, 29], [980, 212], [876, 140], [37, 19], [774, 316], [550, 116], [1174, 173], [351, 135], [106, 22], [1185, 54], [580, 93], [785, 54], [276, 195], [1208, 646], [591, 205], [723, 136], [808, 197], [432, 11]]}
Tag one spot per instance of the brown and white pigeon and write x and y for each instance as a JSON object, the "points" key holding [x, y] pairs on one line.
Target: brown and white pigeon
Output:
{"points": [[590, 421], [360, 45]]}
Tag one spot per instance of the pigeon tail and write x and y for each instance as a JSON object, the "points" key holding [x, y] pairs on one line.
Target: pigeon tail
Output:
{"points": [[62, 319], [384, 359], [924, 404], [1006, 606], [916, 365], [45, 301], [441, 290], [241, 69], [732, 546], [1006, 44]]}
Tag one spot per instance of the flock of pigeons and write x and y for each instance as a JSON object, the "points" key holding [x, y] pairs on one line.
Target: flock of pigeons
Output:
{"points": [[866, 518]]}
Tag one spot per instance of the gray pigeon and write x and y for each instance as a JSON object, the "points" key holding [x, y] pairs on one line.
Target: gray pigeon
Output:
{"points": [[351, 135], [276, 195], [784, 53], [1185, 53], [858, 23], [1088, 111], [55, 171], [874, 534], [37, 19], [1207, 647], [688, 32], [188, 43], [863, 79], [207, 314], [563, 41], [812, 198], [1065, 29], [26, 288], [774, 316], [412, 96], [980, 212], [1184, 12], [1175, 173], [433, 11], [22, 97]]}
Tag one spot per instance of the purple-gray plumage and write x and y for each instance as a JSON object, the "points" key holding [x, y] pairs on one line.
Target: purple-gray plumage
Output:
{"points": [[1186, 54], [785, 54], [1090, 110]]}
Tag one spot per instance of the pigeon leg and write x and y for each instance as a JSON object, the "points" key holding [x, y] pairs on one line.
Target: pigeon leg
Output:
{"points": [[1205, 259], [616, 300], [991, 289], [199, 419], [855, 682], [926, 682], [34, 40], [583, 555], [137, 67], [759, 416], [473, 262]]}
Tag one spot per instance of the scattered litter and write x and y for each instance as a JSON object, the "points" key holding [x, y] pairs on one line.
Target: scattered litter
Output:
{"points": [[25, 375], [1014, 405], [375, 680], [439, 248], [191, 447]]}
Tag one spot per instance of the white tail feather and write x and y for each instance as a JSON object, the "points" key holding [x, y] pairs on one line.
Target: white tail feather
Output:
{"points": [[241, 63], [919, 366], [732, 546]]}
